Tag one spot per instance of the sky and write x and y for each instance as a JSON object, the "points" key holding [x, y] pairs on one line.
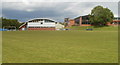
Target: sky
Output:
{"points": [[25, 10]]}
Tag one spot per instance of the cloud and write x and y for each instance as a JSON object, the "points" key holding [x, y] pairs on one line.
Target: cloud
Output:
{"points": [[61, 0], [25, 6], [29, 10], [37, 10], [56, 10]]}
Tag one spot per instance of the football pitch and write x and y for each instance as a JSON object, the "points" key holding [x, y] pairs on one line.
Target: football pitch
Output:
{"points": [[60, 46]]}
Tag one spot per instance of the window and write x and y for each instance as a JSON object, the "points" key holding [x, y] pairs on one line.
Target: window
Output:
{"points": [[55, 22], [85, 22], [46, 20], [41, 22], [41, 19]]}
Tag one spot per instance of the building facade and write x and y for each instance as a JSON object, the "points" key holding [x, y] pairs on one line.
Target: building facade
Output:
{"points": [[84, 21], [38, 24], [79, 21], [58, 26], [116, 21]]}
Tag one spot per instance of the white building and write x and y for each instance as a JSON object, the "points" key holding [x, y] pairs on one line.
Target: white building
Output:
{"points": [[40, 24], [58, 26]]}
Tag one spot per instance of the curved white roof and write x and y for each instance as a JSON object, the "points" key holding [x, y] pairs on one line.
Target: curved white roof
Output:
{"points": [[41, 18]]}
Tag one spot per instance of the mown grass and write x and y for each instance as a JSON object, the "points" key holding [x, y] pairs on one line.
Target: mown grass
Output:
{"points": [[60, 46], [83, 28], [0, 47]]}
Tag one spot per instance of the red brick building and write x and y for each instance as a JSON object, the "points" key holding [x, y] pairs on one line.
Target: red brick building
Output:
{"points": [[115, 22], [79, 21], [71, 22], [84, 21]]}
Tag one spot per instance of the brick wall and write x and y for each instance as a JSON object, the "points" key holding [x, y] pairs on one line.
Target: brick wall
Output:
{"points": [[116, 21], [85, 25], [80, 22], [71, 22], [41, 29]]}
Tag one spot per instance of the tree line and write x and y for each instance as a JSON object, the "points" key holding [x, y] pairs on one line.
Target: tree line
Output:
{"points": [[7, 23]]}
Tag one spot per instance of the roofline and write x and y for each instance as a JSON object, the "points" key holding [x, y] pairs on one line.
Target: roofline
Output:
{"points": [[37, 18], [41, 18], [23, 24], [80, 16]]}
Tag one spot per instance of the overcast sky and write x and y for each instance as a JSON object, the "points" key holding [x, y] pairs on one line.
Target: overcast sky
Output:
{"points": [[24, 11]]}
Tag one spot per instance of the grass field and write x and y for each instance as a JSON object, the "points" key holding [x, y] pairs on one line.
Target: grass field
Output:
{"points": [[0, 47], [83, 28], [60, 46]]}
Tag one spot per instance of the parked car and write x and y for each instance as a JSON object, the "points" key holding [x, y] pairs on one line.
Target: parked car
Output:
{"points": [[89, 29]]}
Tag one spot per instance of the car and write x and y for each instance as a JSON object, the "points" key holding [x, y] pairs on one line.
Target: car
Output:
{"points": [[89, 29]]}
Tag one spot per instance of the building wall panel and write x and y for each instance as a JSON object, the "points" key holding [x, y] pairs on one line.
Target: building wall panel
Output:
{"points": [[41, 28]]}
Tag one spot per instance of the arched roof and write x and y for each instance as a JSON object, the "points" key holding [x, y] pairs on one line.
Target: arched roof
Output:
{"points": [[41, 18]]}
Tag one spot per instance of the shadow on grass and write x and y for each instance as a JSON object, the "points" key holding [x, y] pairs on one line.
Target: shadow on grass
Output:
{"points": [[100, 26]]}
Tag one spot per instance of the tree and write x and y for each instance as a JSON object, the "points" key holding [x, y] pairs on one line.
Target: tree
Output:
{"points": [[65, 24], [10, 22], [100, 16]]}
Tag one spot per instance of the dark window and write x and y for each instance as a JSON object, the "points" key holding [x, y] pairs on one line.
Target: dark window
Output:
{"points": [[41, 22], [85, 22], [55, 22]]}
